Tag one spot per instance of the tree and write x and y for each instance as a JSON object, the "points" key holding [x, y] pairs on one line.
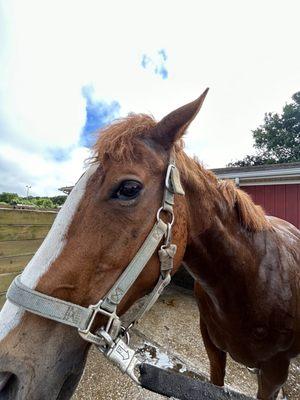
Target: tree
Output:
{"points": [[59, 200], [278, 139], [7, 197]]}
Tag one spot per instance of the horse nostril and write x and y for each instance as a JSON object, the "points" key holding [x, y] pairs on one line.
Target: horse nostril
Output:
{"points": [[4, 377], [8, 385]]}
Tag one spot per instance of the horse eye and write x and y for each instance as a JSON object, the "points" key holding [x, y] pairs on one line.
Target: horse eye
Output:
{"points": [[128, 190]]}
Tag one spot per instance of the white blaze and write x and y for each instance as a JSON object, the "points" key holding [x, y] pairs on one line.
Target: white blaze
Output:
{"points": [[50, 249]]}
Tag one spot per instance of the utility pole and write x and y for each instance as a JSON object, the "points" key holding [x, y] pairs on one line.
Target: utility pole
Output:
{"points": [[27, 193]]}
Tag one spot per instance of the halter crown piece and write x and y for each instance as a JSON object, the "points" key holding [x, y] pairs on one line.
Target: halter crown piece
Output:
{"points": [[113, 338]]}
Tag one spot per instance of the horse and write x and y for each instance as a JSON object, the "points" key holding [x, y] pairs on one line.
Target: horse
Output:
{"points": [[246, 265]]}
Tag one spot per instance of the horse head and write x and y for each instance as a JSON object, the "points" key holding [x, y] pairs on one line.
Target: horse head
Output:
{"points": [[101, 227]]}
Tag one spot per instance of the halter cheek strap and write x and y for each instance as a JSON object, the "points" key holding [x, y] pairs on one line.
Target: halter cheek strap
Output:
{"points": [[113, 339]]}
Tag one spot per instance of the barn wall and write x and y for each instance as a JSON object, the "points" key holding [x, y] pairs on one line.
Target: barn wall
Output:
{"points": [[21, 233], [282, 201]]}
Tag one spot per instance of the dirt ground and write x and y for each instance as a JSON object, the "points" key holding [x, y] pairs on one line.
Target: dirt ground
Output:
{"points": [[168, 337]]}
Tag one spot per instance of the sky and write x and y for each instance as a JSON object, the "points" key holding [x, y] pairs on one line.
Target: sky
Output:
{"points": [[68, 68]]}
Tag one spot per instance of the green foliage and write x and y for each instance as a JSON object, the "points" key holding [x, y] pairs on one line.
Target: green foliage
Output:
{"points": [[278, 139], [39, 202], [59, 200], [7, 197], [43, 202]]}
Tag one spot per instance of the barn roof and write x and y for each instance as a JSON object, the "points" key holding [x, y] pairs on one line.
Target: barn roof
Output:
{"points": [[267, 174], [66, 189]]}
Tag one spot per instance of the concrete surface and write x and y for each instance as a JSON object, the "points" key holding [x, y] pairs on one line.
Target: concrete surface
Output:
{"points": [[168, 337]]}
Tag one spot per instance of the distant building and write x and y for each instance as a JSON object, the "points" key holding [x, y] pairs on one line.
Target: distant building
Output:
{"points": [[66, 189]]}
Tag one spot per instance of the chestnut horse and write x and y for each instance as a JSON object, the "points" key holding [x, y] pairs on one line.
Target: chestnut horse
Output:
{"points": [[246, 265]]}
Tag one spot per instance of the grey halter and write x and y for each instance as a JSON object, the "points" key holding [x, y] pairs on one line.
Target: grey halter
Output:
{"points": [[113, 338]]}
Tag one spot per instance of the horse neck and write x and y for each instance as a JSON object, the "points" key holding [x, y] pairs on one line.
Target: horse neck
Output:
{"points": [[218, 246]]}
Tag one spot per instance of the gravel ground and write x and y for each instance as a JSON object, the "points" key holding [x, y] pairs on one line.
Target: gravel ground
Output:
{"points": [[169, 337]]}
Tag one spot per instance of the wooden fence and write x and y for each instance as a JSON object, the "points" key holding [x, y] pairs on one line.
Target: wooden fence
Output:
{"points": [[21, 233]]}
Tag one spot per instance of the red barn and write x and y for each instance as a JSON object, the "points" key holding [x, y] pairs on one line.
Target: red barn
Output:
{"points": [[275, 187]]}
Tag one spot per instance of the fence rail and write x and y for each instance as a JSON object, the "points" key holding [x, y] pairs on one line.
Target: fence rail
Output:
{"points": [[21, 234]]}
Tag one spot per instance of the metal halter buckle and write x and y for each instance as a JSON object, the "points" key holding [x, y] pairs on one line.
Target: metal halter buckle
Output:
{"points": [[124, 357], [115, 347], [103, 338]]}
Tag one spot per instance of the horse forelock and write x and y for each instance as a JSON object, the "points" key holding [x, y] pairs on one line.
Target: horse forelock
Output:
{"points": [[119, 139]]}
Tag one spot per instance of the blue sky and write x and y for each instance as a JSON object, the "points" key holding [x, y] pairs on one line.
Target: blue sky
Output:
{"points": [[99, 114], [66, 74]]}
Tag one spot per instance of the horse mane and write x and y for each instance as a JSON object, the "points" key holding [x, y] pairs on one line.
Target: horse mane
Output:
{"points": [[118, 140], [252, 216]]}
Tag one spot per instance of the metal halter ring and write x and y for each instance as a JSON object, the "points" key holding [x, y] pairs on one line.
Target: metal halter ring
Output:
{"points": [[125, 334], [168, 212]]}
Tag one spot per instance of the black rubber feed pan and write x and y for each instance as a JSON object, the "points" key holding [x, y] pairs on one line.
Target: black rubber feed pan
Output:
{"points": [[172, 384]]}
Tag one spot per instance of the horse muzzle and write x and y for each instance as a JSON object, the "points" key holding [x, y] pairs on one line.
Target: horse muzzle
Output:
{"points": [[44, 363]]}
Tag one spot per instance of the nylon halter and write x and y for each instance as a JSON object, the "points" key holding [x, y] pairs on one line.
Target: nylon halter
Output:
{"points": [[113, 338]]}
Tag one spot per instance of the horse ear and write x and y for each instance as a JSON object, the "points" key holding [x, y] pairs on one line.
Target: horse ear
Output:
{"points": [[173, 126]]}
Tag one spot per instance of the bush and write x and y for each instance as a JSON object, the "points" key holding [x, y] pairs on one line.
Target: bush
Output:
{"points": [[47, 203], [43, 202]]}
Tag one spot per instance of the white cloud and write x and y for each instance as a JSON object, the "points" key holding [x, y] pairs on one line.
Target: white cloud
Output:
{"points": [[245, 51], [19, 167]]}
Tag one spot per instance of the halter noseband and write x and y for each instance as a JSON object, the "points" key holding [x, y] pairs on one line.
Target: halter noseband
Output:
{"points": [[113, 338]]}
